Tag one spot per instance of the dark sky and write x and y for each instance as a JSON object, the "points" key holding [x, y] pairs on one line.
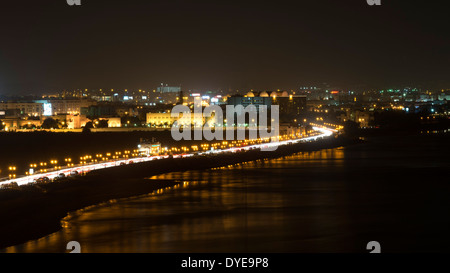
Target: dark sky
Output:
{"points": [[47, 45]]}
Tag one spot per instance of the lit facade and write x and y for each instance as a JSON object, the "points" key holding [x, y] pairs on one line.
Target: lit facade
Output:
{"points": [[166, 119], [23, 108]]}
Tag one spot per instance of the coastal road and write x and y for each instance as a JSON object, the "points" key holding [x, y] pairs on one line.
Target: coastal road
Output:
{"points": [[324, 132]]}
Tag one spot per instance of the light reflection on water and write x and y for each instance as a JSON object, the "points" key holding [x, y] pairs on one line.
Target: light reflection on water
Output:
{"points": [[310, 202]]}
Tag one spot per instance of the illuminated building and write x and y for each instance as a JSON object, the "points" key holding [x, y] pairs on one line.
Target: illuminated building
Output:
{"points": [[290, 106], [250, 99], [166, 119], [23, 108], [64, 106]]}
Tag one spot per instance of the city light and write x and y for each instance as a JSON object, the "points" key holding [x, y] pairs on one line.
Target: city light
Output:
{"points": [[204, 148]]}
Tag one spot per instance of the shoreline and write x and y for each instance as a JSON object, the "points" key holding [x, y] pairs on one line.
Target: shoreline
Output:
{"points": [[33, 212]]}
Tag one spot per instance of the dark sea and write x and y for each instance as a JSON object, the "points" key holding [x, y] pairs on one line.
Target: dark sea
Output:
{"points": [[393, 190]]}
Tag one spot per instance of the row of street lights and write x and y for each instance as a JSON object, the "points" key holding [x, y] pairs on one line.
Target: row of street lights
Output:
{"points": [[42, 166]]}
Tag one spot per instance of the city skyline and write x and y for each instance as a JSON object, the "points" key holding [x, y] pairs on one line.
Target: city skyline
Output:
{"points": [[51, 46], [243, 129]]}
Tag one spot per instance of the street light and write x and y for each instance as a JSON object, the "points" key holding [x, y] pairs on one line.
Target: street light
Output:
{"points": [[68, 161], [12, 170]]}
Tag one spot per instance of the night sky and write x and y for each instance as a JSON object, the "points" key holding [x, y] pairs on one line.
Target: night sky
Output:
{"points": [[48, 46]]}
